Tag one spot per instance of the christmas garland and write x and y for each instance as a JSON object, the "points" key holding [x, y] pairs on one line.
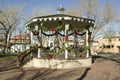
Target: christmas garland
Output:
{"points": [[70, 49], [80, 34], [78, 53], [22, 55], [48, 34], [67, 34], [56, 30], [49, 53], [62, 34]]}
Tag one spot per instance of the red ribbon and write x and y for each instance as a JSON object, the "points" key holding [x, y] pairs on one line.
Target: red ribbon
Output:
{"points": [[53, 30], [67, 38], [51, 56]]}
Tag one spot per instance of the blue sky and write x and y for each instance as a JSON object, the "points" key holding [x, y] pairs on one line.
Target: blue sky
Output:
{"points": [[54, 4], [31, 4]]}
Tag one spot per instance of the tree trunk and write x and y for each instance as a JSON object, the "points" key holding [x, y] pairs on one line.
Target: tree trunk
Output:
{"points": [[6, 43]]}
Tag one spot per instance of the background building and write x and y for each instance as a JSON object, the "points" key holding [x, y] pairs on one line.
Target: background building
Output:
{"points": [[111, 45], [19, 43]]}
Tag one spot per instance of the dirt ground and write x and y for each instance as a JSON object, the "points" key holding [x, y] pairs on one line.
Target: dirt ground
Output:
{"points": [[101, 69]]}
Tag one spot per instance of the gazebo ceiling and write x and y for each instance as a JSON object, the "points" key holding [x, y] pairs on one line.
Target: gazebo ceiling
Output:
{"points": [[60, 19]]}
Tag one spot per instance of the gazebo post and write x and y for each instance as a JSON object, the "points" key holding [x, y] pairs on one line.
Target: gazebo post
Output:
{"points": [[31, 39], [39, 44], [87, 44], [66, 45]]}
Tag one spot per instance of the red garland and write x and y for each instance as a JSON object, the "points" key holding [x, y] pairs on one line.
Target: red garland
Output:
{"points": [[53, 29]]}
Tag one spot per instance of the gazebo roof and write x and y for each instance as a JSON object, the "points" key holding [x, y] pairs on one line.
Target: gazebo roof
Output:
{"points": [[60, 19]]}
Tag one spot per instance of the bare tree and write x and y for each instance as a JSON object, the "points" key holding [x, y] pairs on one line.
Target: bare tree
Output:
{"points": [[42, 11], [91, 9], [39, 11], [74, 11], [108, 33], [9, 18], [102, 15]]}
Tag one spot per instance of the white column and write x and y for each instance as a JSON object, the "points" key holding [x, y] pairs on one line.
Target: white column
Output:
{"points": [[87, 44], [39, 44], [39, 55], [66, 45], [28, 33], [31, 38], [66, 51]]}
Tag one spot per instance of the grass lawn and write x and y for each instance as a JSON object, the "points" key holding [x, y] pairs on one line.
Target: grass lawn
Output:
{"points": [[8, 58]]}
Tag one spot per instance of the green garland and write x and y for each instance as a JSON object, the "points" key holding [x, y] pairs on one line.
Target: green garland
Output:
{"points": [[72, 50], [57, 29], [24, 54]]}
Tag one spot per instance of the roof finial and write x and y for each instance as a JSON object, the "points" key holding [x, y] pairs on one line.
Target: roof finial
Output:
{"points": [[60, 5], [60, 10]]}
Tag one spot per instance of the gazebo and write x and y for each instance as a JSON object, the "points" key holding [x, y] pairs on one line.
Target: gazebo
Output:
{"points": [[60, 25]]}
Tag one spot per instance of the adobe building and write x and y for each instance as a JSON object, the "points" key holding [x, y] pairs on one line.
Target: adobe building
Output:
{"points": [[108, 45]]}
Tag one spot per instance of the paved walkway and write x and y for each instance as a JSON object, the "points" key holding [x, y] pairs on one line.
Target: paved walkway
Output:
{"points": [[10, 71], [101, 69]]}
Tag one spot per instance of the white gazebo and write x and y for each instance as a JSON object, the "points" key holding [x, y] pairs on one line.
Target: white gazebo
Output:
{"points": [[60, 24]]}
